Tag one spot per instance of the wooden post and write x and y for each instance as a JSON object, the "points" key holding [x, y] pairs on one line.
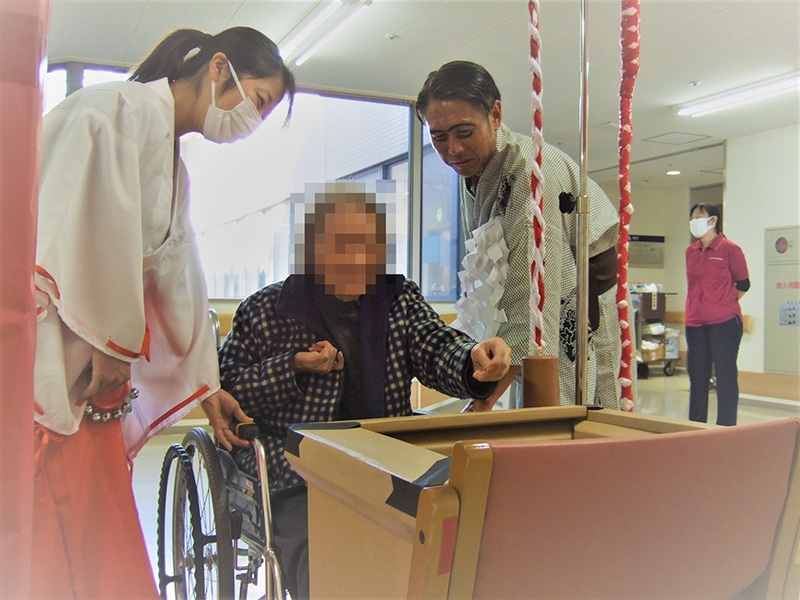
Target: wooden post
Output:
{"points": [[540, 385]]}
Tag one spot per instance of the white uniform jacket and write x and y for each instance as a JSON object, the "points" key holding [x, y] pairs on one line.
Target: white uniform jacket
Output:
{"points": [[117, 268]]}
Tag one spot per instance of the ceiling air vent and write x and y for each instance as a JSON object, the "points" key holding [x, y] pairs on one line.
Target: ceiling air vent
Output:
{"points": [[676, 138]]}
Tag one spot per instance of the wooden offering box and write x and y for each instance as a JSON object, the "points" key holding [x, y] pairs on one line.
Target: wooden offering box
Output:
{"points": [[550, 502]]}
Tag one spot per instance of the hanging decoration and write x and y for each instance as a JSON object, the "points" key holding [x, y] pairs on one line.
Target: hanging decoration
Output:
{"points": [[629, 41], [537, 184]]}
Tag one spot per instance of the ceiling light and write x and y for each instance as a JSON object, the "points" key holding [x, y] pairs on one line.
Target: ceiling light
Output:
{"points": [[307, 26], [360, 6], [673, 172], [324, 22], [760, 91]]}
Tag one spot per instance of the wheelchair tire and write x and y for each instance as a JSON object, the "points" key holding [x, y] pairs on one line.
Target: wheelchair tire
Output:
{"points": [[188, 583], [212, 497]]}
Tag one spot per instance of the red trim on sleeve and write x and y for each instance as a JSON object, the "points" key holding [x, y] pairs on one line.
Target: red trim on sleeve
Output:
{"points": [[41, 271], [175, 409], [145, 351], [38, 409], [146, 343], [121, 350]]}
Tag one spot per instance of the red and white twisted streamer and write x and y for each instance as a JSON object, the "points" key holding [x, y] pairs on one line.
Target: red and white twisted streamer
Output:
{"points": [[537, 184], [629, 41]]}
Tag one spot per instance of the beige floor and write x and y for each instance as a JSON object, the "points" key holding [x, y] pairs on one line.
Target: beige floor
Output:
{"points": [[661, 395]]}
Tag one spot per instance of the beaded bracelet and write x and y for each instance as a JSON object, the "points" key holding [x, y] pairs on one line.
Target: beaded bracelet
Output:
{"points": [[97, 415]]}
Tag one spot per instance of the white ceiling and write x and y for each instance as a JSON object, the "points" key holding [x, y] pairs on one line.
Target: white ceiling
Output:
{"points": [[717, 44]]}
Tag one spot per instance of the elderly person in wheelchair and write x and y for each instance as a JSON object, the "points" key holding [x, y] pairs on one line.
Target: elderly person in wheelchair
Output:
{"points": [[339, 340]]}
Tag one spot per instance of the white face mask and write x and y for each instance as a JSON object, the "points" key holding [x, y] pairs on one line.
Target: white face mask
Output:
{"points": [[224, 126], [700, 226]]}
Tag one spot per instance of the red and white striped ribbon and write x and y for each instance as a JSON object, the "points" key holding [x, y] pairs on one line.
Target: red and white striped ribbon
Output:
{"points": [[537, 184], [629, 41]]}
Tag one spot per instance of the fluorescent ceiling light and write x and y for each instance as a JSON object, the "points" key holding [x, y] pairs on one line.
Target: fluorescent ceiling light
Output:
{"points": [[362, 6], [760, 91], [673, 172], [307, 26]]}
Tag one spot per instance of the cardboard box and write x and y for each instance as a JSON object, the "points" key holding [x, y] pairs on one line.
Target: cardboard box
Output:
{"points": [[654, 355]]}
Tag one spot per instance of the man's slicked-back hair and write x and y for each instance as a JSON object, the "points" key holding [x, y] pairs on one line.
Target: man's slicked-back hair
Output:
{"points": [[458, 80]]}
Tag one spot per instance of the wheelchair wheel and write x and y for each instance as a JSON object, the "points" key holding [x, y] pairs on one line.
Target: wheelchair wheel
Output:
{"points": [[211, 542], [182, 549]]}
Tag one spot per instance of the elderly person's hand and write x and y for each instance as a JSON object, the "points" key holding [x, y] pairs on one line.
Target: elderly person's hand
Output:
{"points": [[221, 408], [321, 358], [491, 360]]}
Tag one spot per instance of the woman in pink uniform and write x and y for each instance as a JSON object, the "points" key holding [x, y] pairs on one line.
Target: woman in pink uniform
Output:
{"points": [[121, 295], [717, 277]]}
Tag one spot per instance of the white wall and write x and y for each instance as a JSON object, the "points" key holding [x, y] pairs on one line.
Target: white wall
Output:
{"points": [[661, 212], [762, 189]]}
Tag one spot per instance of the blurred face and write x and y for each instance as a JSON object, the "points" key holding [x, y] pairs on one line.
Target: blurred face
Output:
{"points": [[463, 136], [266, 94], [348, 251]]}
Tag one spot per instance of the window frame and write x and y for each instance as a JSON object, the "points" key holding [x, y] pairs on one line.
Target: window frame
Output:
{"points": [[75, 69], [74, 75]]}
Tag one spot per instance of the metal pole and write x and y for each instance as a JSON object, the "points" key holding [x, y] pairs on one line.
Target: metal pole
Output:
{"points": [[274, 585], [582, 242]]}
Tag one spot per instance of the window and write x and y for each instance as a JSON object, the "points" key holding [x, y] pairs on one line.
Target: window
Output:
{"points": [[442, 241], [95, 75], [55, 89], [241, 191], [57, 86]]}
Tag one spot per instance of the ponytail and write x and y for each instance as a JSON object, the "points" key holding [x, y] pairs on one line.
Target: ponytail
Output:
{"points": [[169, 58], [184, 53]]}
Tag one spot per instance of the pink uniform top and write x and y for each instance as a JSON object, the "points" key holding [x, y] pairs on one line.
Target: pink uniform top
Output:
{"points": [[712, 273]]}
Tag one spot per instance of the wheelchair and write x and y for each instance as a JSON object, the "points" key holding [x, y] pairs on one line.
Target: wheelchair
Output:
{"points": [[214, 522]]}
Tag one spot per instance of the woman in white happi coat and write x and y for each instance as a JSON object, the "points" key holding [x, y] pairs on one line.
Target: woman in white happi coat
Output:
{"points": [[121, 295]]}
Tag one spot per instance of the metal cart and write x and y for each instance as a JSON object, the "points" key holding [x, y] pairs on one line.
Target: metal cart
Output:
{"points": [[650, 308]]}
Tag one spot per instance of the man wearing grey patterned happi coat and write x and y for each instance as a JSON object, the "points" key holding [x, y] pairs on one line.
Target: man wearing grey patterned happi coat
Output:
{"points": [[461, 106]]}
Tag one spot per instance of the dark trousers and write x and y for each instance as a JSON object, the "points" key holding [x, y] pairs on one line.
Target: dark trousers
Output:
{"points": [[717, 346], [290, 538]]}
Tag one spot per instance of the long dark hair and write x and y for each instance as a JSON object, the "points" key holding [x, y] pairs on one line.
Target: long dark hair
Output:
{"points": [[252, 53], [712, 210], [459, 80]]}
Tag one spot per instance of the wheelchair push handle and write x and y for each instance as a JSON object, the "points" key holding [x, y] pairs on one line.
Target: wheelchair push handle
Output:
{"points": [[246, 431]]}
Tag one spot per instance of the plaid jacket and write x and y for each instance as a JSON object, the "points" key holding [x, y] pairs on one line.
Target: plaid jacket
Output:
{"points": [[402, 337]]}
